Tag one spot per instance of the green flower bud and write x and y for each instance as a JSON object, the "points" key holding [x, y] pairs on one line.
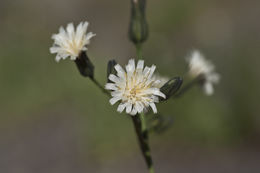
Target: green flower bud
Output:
{"points": [[171, 87], [138, 28]]}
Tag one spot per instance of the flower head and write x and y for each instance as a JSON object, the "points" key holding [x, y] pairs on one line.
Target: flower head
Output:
{"points": [[70, 42], [135, 87], [199, 66]]}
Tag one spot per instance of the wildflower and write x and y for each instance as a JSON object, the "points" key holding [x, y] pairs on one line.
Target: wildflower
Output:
{"points": [[135, 87], [200, 67], [71, 43]]}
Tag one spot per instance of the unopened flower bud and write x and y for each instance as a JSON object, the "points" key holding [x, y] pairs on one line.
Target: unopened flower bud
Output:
{"points": [[171, 87], [138, 28]]}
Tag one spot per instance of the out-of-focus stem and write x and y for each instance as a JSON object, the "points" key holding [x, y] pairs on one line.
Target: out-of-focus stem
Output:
{"points": [[188, 86]]}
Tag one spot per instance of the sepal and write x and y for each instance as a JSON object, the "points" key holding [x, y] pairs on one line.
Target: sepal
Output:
{"points": [[85, 66], [110, 68]]}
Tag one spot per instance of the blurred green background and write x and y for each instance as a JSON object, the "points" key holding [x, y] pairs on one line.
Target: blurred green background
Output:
{"points": [[53, 120]]}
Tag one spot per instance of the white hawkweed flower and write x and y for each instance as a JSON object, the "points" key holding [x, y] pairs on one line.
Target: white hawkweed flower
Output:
{"points": [[135, 87], [199, 66], [70, 42]]}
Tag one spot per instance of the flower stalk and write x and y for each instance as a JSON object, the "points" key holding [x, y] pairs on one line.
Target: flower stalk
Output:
{"points": [[188, 86], [140, 125], [101, 87], [143, 137]]}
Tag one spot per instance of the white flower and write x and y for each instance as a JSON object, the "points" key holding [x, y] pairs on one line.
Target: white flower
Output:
{"points": [[199, 66], [71, 42], [135, 87]]}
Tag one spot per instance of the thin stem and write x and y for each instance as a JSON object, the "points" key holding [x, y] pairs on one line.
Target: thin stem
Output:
{"points": [[100, 86], [141, 128], [142, 134], [139, 50], [188, 86]]}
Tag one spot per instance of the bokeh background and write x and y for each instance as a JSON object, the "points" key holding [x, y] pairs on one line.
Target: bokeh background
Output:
{"points": [[53, 120]]}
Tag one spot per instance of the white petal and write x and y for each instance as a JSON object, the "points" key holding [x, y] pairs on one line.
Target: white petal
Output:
{"points": [[214, 78], [73, 57], [139, 107], [114, 78], [70, 29], [208, 88], [130, 67], [79, 27], [151, 71], [54, 49], [154, 91], [111, 86], [57, 58], [133, 112], [128, 108], [113, 100], [89, 36], [121, 107], [140, 64], [116, 93], [146, 71], [155, 99], [62, 30], [159, 93], [152, 105], [120, 71]]}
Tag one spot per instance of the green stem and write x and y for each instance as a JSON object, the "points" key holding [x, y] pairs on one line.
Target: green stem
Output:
{"points": [[101, 87], [141, 128], [139, 50], [142, 134], [188, 86]]}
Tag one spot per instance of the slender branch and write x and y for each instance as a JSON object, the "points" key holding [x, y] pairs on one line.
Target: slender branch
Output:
{"points": [[188, 86], [142, 134], [139, 50], [140, 127], [101, 87]]}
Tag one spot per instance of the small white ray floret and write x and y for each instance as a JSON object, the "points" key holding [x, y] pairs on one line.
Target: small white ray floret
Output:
{"points": [[70, 42], [161, 80], [136, 88], [198, 65]]}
